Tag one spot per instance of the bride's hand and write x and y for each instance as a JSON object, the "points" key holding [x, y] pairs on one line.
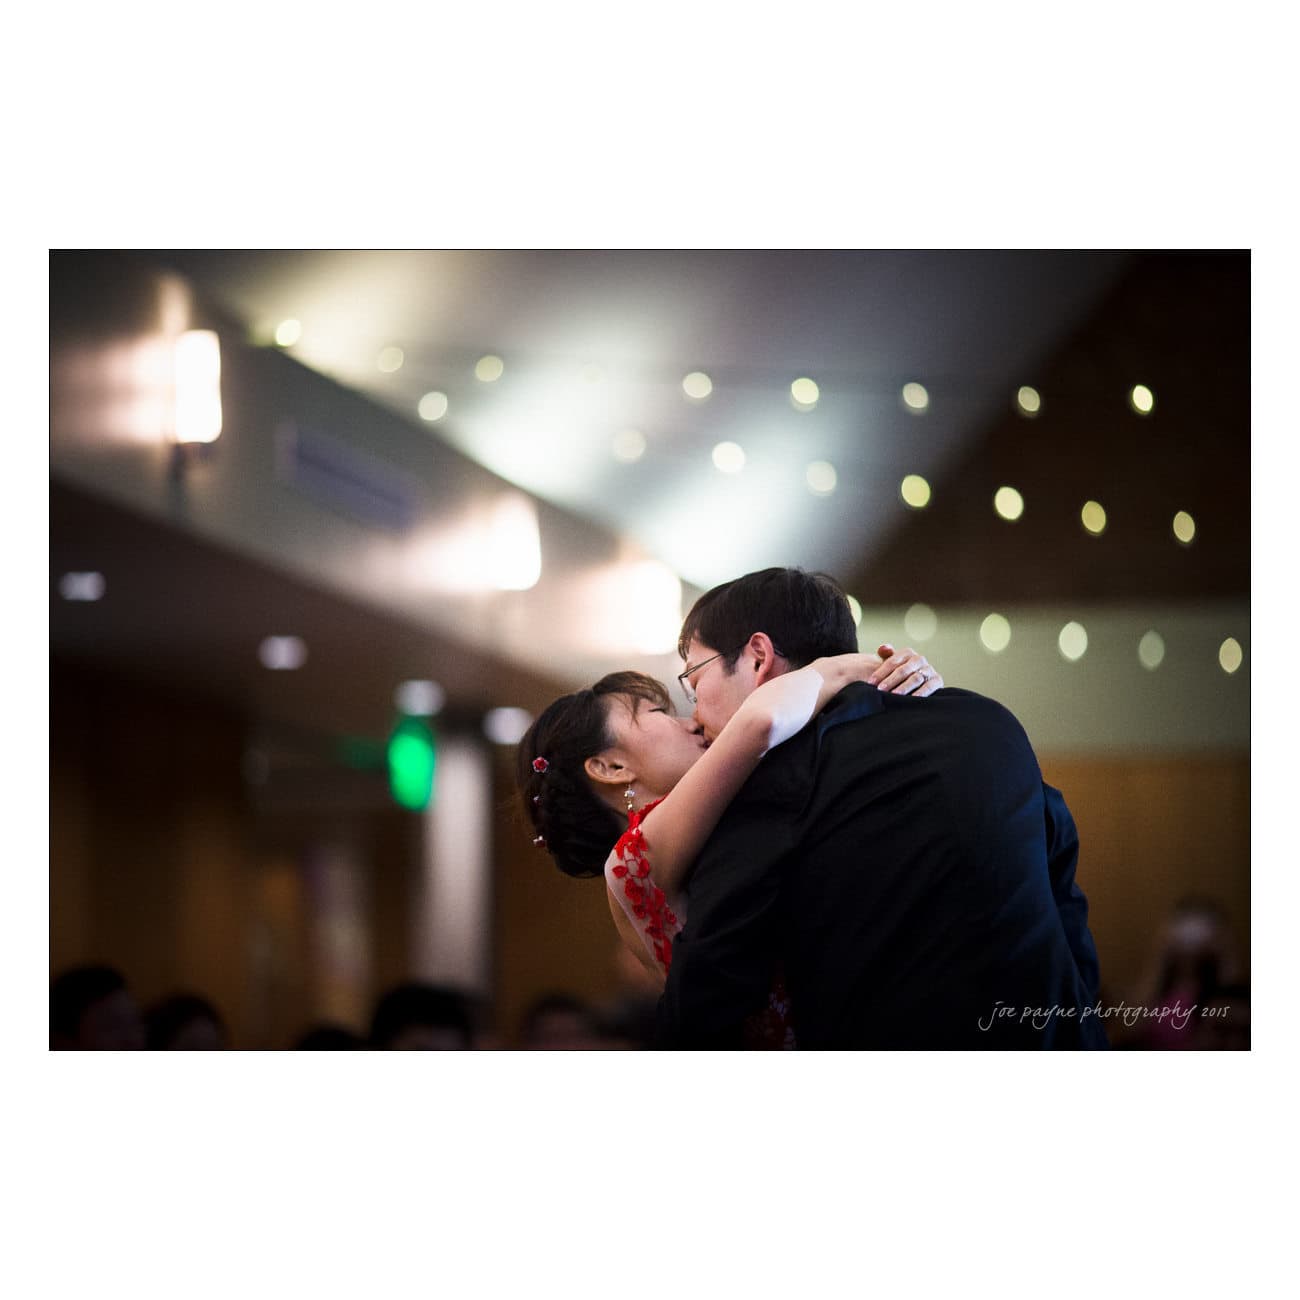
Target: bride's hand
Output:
{"points": [[905, 672]]}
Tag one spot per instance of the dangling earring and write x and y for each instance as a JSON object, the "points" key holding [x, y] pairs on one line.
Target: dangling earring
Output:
{"points": [[629, 794]]}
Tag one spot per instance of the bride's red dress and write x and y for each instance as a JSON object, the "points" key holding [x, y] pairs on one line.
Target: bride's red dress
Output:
{"points": [[772, 1028]]}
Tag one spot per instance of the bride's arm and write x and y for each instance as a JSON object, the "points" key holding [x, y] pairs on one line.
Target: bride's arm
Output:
{"points": [[675, 830]]}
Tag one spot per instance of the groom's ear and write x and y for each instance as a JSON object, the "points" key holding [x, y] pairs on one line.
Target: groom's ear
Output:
{"points": [[606, 769], [760, 655]]}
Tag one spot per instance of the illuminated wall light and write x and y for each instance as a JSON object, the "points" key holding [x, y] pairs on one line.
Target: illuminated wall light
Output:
{"points": [[1008, 503], [1073, 641], [81, 586], [433, 406], [390, 360], [512, 549], [1184, 527], [915, 398], [282, 653], [1142, 399], [821, 478], [1093, 517], [804, 394], [920, 622], [629, 445], [1028, 400], [654, 619], [697, 385], [419, 698], [915, 491], [1230, 655], [197, 361], [489, 369], [288, 332], [729, 457], [995, 633], [1151, 650], [506, 726], [855, 608]]}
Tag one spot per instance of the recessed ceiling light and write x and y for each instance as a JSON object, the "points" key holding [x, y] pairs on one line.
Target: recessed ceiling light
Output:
{"points": [[1028, 400], [1151, 650], [915, 398], [629, 445], [1094, 518], [419, 698], [282, 653], [821, 478], [1184, 527], [1230, 655], [915, 491], [1008, 503], [1073, 641], [81, 586], [390, 360], [433, 406], [1142, 399], [506, 726], [729, 457], [995, 633], [804, 394], [287, 333], [489, 369], [697, 385], [920, 622]]}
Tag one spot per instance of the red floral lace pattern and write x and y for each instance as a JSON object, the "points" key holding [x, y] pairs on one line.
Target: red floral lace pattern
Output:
{"points": [[649, 902]]}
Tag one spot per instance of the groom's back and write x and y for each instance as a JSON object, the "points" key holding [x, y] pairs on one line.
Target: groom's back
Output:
{"points": [[915, 890]]}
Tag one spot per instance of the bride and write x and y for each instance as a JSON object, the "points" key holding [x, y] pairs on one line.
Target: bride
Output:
{"points": [[616, 785]]}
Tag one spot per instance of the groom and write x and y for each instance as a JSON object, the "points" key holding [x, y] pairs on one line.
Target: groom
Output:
{"points": [[901, 860]]}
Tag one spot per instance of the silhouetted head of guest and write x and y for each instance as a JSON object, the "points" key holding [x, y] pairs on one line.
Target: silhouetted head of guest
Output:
{"points": [[185, 1022], [91, 1009], [559, 1022], [423, 1017], [329, 1038]]}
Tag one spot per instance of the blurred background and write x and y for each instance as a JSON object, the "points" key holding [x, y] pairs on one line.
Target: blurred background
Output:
{"points": [[329, 528]]}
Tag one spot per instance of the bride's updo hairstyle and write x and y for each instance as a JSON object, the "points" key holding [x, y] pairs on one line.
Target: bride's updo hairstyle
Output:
{"points": [[573, 824]]}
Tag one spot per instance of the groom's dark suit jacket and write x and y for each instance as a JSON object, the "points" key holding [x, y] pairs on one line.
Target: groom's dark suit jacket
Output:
{"points": [[905, 863]]}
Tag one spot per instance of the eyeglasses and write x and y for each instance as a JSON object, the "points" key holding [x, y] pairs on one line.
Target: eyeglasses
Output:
{"points": [[688, 688]]}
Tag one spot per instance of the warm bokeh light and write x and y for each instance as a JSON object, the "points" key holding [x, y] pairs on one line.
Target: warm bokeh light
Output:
{"points": [[915, 491], [390, 360], [1073, 641], [729, 457], [697, 385], [995, 633], [81, 586], [283, 653], [915, 398], [1094, 518], [1008, 503], [197, 410], [804, 394], [1151, 650], [821, 478], [629, 445], [1142, 399], [1184, 527], [1230, 655], [489, 369], [1028, 400], [433, 406], [920, 622], [855, 608], [288, 332], [419, 698], [506, 726]]}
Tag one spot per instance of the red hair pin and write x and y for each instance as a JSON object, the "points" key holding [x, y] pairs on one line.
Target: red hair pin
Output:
{"points": [[540, 765]]}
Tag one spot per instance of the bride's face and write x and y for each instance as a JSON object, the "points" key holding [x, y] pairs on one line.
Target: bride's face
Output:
{"points": [[659, 747]]}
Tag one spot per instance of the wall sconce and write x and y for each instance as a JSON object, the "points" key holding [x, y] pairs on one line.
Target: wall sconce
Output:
{"points": [[196, 394]]}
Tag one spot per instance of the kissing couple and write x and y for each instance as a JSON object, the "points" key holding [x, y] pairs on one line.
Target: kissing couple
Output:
{"points": [[834, 850]]}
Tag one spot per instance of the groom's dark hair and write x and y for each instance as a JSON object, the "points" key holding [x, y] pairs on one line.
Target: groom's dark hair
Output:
{"points": [[806, 614]]}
